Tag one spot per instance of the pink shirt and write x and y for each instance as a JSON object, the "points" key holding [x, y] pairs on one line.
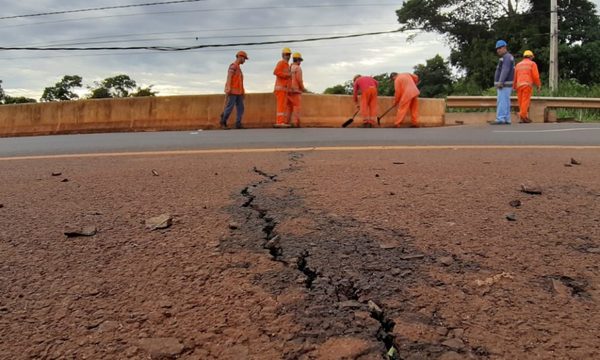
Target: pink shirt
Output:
{"points": [[363, 83]]}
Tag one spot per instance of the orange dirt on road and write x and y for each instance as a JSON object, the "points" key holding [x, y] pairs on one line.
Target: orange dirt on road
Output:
{"points": [[418, 254]]}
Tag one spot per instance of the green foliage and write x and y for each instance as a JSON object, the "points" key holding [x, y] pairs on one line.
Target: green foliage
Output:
{"points": [[7, 99], [466, 87], [119, 86], [18, 100], [435, 78], [385, 84], [147, 91], [113, 87], [62, 90], [572, 88], [436, 81], [99, 92], [340, 89], [471, 28]]}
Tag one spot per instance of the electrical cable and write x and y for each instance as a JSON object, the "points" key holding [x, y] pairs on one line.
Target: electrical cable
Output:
{"points": [[99, 9], [204, 10], [173, 48]]}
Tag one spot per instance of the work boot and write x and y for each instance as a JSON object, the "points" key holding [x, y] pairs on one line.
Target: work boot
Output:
{"points": [[415, 125], [281, 125], [524, 120]]}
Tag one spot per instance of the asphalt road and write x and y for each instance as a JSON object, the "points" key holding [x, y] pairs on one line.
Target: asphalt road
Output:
{"points": [[566, 134]]}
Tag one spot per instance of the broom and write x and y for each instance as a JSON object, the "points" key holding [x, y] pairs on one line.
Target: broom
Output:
{"points": [[382, 115], [349, 121]]}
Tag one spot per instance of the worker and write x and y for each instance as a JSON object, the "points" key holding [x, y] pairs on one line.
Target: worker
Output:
{"points": [[526, 75], [366, 86], [282, 83], [503, 81], [406, 97], [234, 90], [296, 88]]}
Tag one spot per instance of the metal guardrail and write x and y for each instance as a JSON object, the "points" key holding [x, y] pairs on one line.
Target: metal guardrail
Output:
{"points": [[539, 107], [549, 102]]}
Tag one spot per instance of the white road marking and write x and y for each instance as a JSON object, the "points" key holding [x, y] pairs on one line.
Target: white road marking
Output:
{"points": [[302, 149], [543, 131]]}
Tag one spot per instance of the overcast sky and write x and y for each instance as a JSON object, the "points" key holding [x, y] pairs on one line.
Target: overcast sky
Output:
{"points": [[326, 63]]}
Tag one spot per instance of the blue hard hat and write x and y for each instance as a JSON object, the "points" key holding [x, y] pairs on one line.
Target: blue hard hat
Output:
{"points": [[500, 43]]}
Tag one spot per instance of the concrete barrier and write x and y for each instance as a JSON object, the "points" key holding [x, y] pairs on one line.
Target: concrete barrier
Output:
{"points": [[185, 113]]}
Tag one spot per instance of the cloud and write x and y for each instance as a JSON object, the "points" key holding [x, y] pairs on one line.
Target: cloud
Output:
{"points": [[327, 63]]}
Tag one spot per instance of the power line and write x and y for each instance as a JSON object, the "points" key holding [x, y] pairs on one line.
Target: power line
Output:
{"points": [[65, 42], [197, 38], [99, 9], [204, 10], [172, 48], [197, 51]]}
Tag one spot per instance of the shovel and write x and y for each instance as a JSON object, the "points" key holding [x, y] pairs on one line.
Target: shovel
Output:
{"points": [[349, 121], [382, 115]]}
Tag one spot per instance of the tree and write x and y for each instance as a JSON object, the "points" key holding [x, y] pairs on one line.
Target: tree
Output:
{"points": [[62, 90], [385, 84], [99, 92], [471, 28], [113, 87], [18, 100], [119, 86], [7, 99], [147, 91], [435, 77], [340, 89]]}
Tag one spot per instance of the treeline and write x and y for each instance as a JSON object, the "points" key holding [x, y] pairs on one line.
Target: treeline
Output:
{"points": [[119, 86]]}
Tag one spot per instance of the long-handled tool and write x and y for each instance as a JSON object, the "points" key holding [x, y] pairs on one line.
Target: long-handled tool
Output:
{"points": [[382, 115], [349, 121]]}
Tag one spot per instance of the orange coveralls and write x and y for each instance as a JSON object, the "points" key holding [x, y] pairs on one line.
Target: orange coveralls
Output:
{"points": [[295, 94], [282, 84], [526, 75], [407, 97], [367, 86]]}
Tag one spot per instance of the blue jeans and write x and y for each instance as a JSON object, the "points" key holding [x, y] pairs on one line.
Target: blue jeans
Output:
{"points": [[503, 105], [238, 102]]}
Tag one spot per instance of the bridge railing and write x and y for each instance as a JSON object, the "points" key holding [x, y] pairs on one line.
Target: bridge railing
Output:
{"points": [[538, 111]]}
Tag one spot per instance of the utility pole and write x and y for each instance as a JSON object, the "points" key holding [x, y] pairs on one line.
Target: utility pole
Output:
{"points": [[553, 45]]}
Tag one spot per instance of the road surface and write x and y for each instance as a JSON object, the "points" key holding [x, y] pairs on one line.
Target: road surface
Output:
{"points": [[515, 135]]}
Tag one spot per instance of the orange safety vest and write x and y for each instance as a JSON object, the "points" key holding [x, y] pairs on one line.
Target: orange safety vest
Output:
{"points": [[526, 74], [237, 79], [282, 73], [297, 82]]}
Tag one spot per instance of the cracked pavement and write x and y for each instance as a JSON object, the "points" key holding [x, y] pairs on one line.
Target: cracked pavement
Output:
{"points": [[312, 255]]}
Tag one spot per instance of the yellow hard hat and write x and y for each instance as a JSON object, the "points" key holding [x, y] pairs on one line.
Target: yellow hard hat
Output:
{"points": [[242, 54], [286, 50], [528, 53], [297, 55]]}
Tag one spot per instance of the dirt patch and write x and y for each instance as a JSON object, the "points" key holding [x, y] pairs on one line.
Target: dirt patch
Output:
{"points": [[312, 255]]}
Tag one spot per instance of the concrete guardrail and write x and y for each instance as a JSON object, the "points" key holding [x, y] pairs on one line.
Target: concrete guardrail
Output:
{"points": [[185, 113]]}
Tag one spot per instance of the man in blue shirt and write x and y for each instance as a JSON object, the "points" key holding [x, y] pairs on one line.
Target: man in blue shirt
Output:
{"points": [[503, 81]]}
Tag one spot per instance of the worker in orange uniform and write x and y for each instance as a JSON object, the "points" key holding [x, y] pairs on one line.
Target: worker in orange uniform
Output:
{"points": [[406, 97], [367, 87], [282, 84], [296, 88], [234, 90], [526, 75]]}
